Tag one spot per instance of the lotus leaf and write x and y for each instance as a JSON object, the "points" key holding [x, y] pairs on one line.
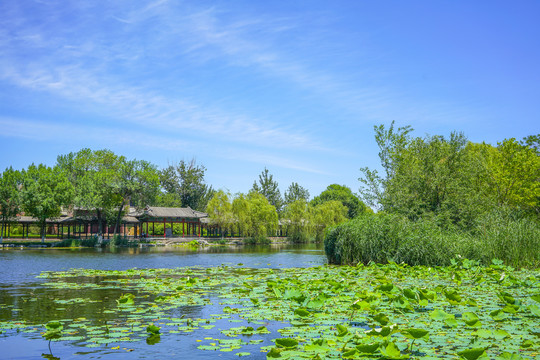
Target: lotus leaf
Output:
{"points": [[152, 329], [413, 333], [391, 351], [472, 354], [302, 312], [367, 348], [287, 342]]}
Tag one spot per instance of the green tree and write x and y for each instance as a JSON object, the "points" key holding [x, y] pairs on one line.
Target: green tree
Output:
{"points": [[298, 222], [451, 179], [184, 185], [220, 210], [533, 142], [93, 175], [269, 188], [256, 217], [45, 190], [327, 214], [295, 192], [136, 184], [263, 217], [515, 175], [343, 194], [241, 216], [10, 185], [391, 143], [427, 178]]}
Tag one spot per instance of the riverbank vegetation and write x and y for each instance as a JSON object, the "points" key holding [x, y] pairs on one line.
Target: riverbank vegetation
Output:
{"points": [[106, 185], [441, 197]]}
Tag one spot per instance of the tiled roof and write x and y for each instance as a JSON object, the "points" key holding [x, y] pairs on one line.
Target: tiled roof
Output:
{"points": [[155, 211]]}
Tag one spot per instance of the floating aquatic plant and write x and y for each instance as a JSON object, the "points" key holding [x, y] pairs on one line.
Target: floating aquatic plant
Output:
{"points": [[377, 311]]}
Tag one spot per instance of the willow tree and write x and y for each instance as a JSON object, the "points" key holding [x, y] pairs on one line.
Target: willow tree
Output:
{"points": [[220, 211], [263, 216], [255, 216], [327, 214], [297, 220]]}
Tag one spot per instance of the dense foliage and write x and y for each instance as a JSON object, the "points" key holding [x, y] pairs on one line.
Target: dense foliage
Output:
{"points": [[105, 184], [249, 215], [10, 204], [269, 188], [345, 195], [450, 178], [392, 237], [183, 185], [43, 193], [440, 197]]}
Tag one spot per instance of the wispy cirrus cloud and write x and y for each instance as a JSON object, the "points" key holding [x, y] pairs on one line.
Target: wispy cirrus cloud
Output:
{"points": [[71, 71], [83, 135]]}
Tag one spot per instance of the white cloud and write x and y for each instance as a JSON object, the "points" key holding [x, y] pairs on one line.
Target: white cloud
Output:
{"points": [[102, 136]]}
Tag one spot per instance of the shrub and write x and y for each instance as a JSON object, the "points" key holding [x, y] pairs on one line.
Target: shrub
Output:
{"points": [[118, 240], [259, 240]]}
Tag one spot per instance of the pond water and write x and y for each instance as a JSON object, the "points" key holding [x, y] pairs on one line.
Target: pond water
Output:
{"points": [[26, 298]]}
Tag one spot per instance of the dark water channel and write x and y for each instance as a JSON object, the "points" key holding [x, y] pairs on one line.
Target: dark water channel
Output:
{"points": [[25, 298]]}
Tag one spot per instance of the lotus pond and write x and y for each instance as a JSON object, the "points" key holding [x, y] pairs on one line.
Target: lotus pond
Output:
{"points": [[256, 310]]}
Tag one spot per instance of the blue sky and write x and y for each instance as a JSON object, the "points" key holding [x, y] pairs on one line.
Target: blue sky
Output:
{"points": [[294, 86]]}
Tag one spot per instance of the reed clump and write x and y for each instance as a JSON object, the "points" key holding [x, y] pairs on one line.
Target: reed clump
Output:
{"points": [[384, 237]]}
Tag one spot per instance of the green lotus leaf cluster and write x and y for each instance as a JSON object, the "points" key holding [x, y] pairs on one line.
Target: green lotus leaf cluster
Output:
{"points": [[378, 311]]}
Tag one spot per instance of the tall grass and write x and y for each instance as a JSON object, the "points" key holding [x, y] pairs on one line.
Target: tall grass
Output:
{"points": [[388, 237]]}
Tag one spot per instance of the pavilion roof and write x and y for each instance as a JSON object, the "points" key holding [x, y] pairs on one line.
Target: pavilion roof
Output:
{"points": [[163, 212]]}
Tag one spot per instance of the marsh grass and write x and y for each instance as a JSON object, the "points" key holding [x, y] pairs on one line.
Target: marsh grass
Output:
{"points": [[388, 237]]}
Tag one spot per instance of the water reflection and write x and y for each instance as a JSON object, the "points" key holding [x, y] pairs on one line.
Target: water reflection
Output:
{"points": [[25, 298]]}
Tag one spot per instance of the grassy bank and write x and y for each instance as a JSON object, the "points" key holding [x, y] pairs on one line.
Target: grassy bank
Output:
{"points": [[387, 237]]}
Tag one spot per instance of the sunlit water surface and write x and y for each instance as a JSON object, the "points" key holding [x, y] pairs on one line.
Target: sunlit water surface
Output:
{"points": [[18, 285]]}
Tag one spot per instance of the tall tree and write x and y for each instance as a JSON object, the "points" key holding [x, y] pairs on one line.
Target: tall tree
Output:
{"points": [[295, 192], [326, 214], [10, 185], [256, 217], [345, 195], [451, 179], [391, 143], [220, 210], [269, 189], [263, 217], [94, 175], [45, 190], [298, 222], [241, 216], [515, 174], [184, 185], [136, 184]]}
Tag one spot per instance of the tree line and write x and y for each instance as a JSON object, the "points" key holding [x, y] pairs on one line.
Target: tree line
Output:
{"points": [[439, 197], [451, 179], [103, 185]]}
